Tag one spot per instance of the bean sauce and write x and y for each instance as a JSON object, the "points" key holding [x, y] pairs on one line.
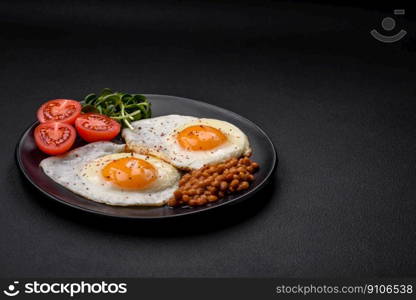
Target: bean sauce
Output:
{"points": [[213, 182]]}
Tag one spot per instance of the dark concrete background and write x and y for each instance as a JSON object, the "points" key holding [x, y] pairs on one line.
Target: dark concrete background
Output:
{"points": [[339, 106]]}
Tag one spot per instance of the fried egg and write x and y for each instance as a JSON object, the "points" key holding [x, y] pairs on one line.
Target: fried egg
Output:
{"points": [[104, 172], [187, 142]]}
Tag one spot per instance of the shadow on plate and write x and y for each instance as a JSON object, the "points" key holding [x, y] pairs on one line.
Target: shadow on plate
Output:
{"points": [[203, 222]]}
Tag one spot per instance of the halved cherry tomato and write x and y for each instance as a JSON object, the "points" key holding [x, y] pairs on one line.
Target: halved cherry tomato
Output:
{"points": [[55, 137], [59, 110], [95, 127]]}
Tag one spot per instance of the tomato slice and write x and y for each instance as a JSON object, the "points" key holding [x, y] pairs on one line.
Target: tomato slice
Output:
{"points": [[60, 110], [55, 137], [96, 127]]}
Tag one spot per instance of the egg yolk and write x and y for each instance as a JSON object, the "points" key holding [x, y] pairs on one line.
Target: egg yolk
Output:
{"points": [[130, 173], [200, 137]]}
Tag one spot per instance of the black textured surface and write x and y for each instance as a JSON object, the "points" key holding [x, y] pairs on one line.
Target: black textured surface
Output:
{"points": [[339, 106]]}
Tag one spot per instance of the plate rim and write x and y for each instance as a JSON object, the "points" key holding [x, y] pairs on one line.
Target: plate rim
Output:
{"points": [[191, 212]]}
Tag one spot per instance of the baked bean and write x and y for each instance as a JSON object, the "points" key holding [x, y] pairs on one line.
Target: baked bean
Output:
{"points": [[202, 201], [212, 198], [192, 192], [184, 179], [212, 182], [246, 161], [199, 185], [177, 194], [223, 185], [241, 169], [193, 202], [229, 177], [212, 189], [243, 186], [242, 175], [187, 185], [172, 202], [212, 170], [234, 183], [216, 183], [206, 182]]}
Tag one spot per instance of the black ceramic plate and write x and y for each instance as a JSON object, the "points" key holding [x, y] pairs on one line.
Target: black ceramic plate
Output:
{"points": [[29, 157]]}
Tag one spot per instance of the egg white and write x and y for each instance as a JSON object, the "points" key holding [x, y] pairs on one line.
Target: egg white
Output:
{"points": [[80, 171], [157, 136]]}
